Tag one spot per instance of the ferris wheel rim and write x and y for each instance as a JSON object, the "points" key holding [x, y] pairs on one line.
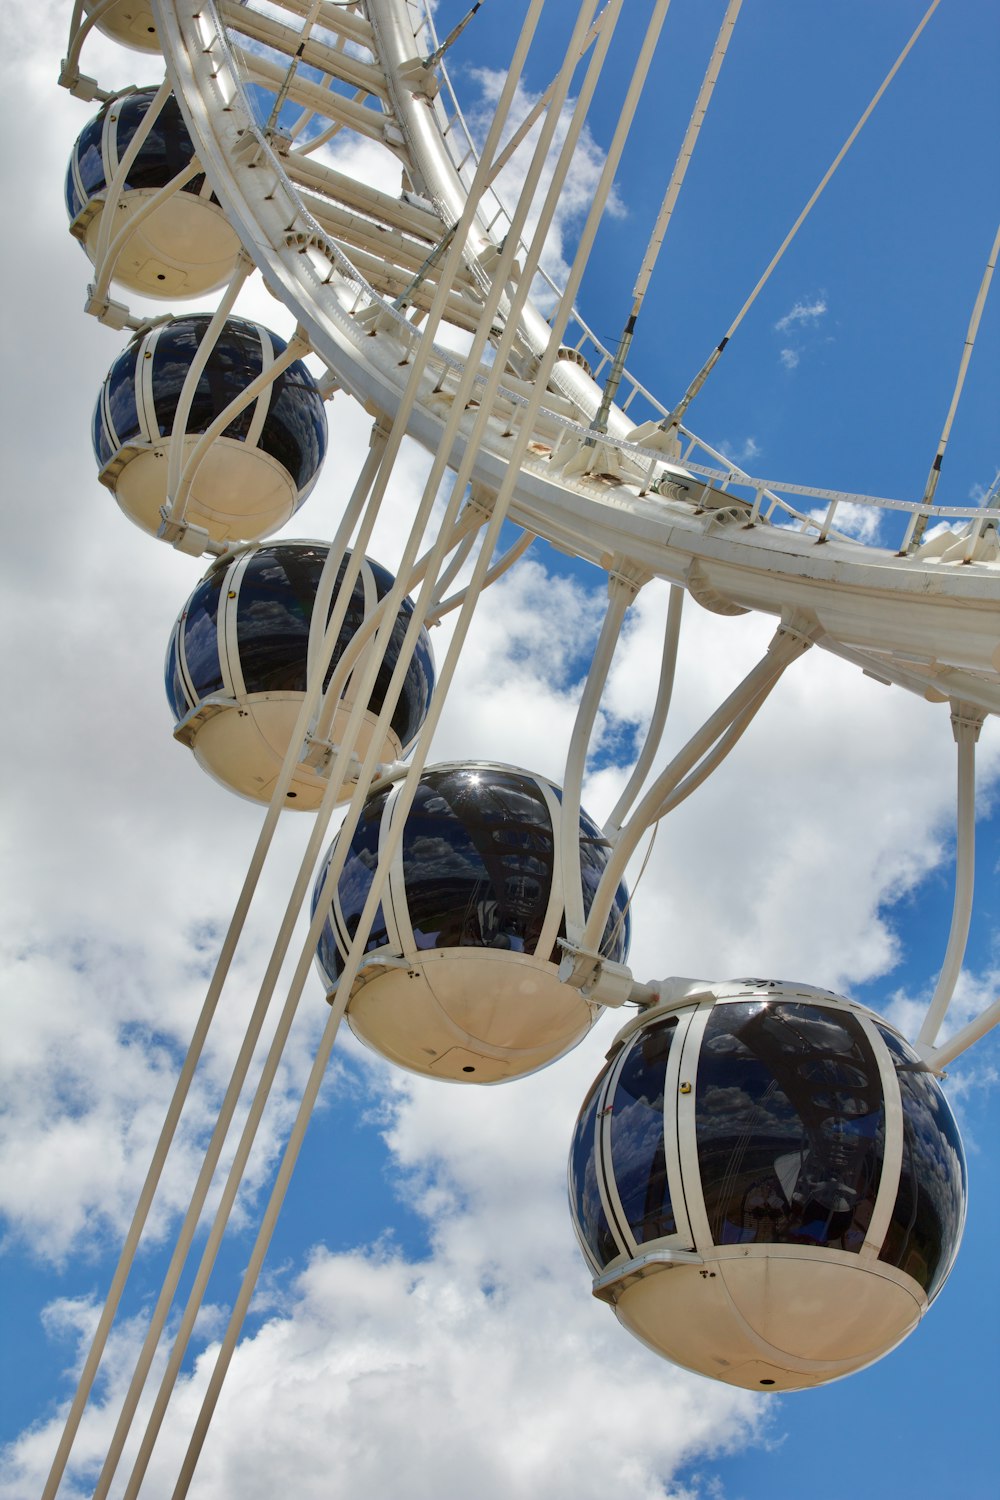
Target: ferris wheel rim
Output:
{"points": [[925, 625]]}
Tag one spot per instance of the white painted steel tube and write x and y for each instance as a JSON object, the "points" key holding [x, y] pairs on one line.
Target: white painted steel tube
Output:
{"points": [[966, 733], [752, 690], [114, 188], [392, 446], [658, 718], [209, 339], [940, 1057], [620, 596]]}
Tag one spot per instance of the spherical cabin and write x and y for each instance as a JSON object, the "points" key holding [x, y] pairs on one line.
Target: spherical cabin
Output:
{"points": [[236, 669], [256, 474], [185, 246], [129, 22], [768, 1185], [460, 975]]}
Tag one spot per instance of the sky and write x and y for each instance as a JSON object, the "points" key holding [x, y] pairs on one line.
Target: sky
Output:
{"points": [[425, 1317]]}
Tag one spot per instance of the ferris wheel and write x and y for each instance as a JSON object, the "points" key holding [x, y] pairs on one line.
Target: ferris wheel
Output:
{"points": [[471, 920]]}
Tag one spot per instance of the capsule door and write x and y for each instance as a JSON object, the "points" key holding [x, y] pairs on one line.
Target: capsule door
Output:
{"points": [[639, 1165]]}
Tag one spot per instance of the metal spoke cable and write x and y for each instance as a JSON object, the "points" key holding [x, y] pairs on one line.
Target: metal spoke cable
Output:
{"points": [[658, 718], [392, 446], [600, 422], [407, 791], [786, 645], [497, 569], [919, 522], [255, 1023], [674, 418], [452, 37], [621, 592], [282, 92], [540, 105], [195, 1049]]}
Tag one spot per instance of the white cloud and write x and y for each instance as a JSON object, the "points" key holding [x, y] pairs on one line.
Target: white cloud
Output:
{"points": [[789, 358], [578, 188], [486, 1358], [743, 452], [802, 315], [853, 519]]}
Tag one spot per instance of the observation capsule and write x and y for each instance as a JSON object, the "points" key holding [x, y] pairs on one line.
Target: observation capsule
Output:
{"points": [[129, 22], [185, 246], [236, 669], [461, 976], [768, 1185], [256, 474]]}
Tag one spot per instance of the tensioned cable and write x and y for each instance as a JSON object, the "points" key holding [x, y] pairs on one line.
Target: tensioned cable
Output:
{"points": [[674, 418], [600, 422], [785, 646], [452, 37], [540, 105], [406, 794], [180, 1092], [919, 521], [399, 429], [196, 1046], [658, 717], [409, 787], [621, 592]]}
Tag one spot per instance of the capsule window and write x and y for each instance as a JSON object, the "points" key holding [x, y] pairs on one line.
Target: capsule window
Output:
{"points": [[588, 1209], [927, 1219], [638, 1148], [464, 887], [201, 636], [790, 1125], [353, 888]]}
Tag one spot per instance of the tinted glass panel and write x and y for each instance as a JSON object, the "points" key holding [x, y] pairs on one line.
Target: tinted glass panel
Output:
{"points": [[87, 153], [201, 635], [477, 860], [790, 1125], [167, 148], [354, 885], [232, 364], [295, 430], [927, 1220], [638, 1151], [585, 1196], [414, 700], [273, 617], [594, 854], [176, 696], [274, 611], [119, 386]]}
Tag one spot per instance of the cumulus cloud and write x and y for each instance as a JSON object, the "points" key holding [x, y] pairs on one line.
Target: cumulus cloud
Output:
{"points": [[373, 1367], [578, 188], [789, 358]]}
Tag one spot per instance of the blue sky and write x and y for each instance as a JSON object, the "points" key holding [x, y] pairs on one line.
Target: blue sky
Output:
{"points": [[836, 867]]}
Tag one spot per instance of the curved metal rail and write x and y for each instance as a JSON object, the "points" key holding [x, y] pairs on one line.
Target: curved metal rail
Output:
{"points": [[929, 622]]}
